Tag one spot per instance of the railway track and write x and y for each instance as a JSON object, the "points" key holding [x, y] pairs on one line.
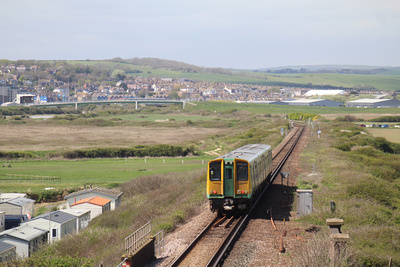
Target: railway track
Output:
{"points": [[212, 245]]}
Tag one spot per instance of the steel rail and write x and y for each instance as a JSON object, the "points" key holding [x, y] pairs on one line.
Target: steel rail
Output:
{"points": [[223, 250], [184, 253], [229, 240]]}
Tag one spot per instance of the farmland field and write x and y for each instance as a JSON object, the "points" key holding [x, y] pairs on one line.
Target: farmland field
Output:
{"points": [[392, 135], [34, 137]]}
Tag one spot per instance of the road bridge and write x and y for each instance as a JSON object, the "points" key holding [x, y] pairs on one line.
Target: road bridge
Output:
{"points": [[136, 101]]}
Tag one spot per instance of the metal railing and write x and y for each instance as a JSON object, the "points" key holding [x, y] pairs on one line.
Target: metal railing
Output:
{"points": [[159, 243], [138, 238]]}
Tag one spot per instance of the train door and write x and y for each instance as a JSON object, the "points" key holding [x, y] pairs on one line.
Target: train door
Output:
{"points": [[229, 186]]}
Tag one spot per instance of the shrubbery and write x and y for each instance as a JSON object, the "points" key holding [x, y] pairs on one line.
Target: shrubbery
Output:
{"points": [[137, 151], [16, 154], [387, 119], [354, 138], [23, 110], [302, 116]]}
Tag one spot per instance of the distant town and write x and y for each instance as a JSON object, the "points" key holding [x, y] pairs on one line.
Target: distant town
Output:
{"points": [[34, 84]]}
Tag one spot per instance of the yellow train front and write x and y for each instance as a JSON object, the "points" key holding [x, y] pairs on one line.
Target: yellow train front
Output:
{"points": [[236, 178]]}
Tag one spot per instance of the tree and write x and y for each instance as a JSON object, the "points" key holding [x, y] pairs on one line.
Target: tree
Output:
{"points": [[123, 86], [174, 95], [118, 74]]}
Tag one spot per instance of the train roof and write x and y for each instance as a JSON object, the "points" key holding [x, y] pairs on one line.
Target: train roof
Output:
{"points": [[247, 152]]}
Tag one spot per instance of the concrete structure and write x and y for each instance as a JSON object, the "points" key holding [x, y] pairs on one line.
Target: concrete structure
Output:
{"points": [[57, 223], [96, 205], [24, 99], [18, 206], [27, 239], [373, 103], [111, 194], [83, 217], [7, 252], [315, 103]]}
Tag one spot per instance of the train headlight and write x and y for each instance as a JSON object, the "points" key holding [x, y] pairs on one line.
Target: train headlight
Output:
{"points": [[238, 191]]}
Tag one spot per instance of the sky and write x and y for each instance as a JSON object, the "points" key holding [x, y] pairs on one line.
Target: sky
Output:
{"points": [[241, 34]]}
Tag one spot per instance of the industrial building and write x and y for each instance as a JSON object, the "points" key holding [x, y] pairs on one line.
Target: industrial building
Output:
{"points": [[373, 103], [315, 103]]}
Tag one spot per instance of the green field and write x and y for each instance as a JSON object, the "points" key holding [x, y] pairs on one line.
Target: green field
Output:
{"points": [[97, 172], [286, 109], [392, 135]]}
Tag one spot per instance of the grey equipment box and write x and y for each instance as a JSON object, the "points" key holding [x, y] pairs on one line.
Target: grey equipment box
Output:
{"points": [[304, 201]]}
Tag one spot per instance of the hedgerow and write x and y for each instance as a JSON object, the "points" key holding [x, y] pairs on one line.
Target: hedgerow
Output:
{"points": [[137, 151], [16, 154]]}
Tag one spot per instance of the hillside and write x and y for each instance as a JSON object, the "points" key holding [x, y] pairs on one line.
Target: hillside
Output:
{"points": [[98, 71], [320, 76]]}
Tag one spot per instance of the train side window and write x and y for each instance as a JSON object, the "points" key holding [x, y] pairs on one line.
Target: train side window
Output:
{"points": [[242, 171], [215, 171]]}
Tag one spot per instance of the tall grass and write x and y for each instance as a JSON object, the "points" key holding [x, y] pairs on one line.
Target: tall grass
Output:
{"points": [[166, 200], [364, 183]]}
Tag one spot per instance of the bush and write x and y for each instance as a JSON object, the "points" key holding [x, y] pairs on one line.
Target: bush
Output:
{"points": [[16, 154], [347, 118], [378, 190], [345, 146]]}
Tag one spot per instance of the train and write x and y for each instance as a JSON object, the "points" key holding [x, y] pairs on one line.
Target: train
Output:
{"points": [[236, 178]]}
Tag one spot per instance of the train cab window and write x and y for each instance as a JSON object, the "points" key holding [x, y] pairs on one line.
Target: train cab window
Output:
{"points": [[215, 171], [242, 171], [228, 174]]}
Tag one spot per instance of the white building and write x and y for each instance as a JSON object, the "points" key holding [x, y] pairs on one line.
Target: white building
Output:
{"points": [[111, 194], [324, 92], [26, 238], [57, 223], [96, 205], [18, 206], [83, 217]]}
